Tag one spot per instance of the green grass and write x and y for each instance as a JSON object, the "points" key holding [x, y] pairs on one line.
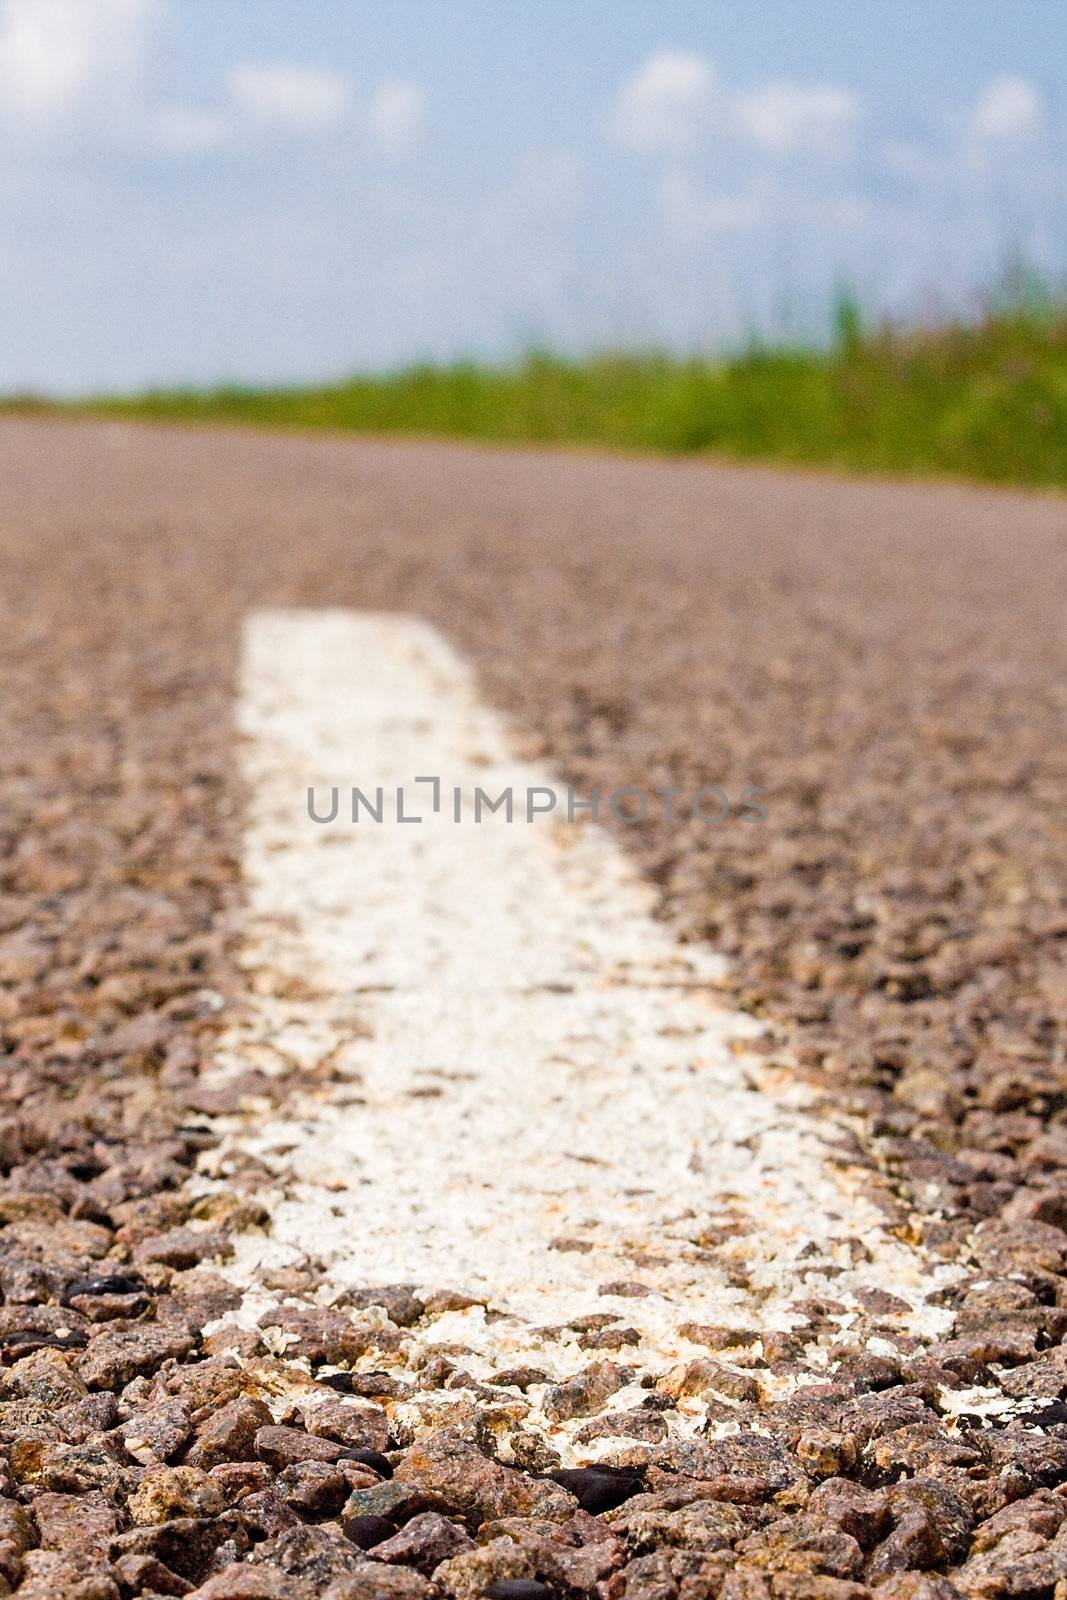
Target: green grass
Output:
{"points": [[986, 400]]}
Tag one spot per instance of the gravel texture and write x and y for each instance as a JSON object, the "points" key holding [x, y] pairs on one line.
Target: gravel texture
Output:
{"points": [[886, 661]]}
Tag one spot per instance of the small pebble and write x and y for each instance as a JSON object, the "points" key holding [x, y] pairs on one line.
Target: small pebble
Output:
{"points": [[369, 1458], [599, 1488], [366, 1532], [518, 1589], [108, 1283]]}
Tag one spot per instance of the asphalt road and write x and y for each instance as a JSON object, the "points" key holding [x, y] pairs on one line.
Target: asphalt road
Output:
{"points": [[884, 662]]}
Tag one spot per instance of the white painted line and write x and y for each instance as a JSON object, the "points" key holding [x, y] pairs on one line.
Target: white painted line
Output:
{"points": [[537, 1095]]}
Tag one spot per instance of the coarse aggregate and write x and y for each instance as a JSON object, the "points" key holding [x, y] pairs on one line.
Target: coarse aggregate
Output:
{"points": [[886, 662]]}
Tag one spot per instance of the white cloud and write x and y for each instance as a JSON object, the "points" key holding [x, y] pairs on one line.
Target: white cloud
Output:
{"points": [[298, 99], [672, 102], [261, 95], [291, 100], [693, 214], [783, 118], [667, 104], [1008, 109], [190, 130], [57, 56], [395, 117]]}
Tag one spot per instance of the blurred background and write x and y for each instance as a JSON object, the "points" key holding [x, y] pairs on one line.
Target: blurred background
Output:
{"points": [[824, 232]]}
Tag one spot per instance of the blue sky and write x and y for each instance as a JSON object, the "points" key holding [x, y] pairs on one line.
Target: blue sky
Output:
{"points": [[202, 189]]}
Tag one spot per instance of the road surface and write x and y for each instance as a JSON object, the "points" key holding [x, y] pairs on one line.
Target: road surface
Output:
{"points": [[721, 1146]]}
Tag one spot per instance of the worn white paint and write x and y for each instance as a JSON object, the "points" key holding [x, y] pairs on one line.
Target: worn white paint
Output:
{"points": [[520, 1053]]}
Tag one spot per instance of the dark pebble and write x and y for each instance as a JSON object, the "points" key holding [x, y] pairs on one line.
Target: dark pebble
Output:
{"points": [[1053, 1415], [201, 1138], [342, 1382], [27, 1340], [519, 1589], [366, 1532], [367, 1384], [111, 1283], [369, 1458], [598, 1489]]}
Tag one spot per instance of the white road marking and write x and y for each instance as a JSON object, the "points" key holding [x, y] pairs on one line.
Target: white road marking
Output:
{"points": [[537, 1098]]}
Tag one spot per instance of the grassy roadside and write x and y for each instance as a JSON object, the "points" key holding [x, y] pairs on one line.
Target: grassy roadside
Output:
{"points": [[985, 401]]}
